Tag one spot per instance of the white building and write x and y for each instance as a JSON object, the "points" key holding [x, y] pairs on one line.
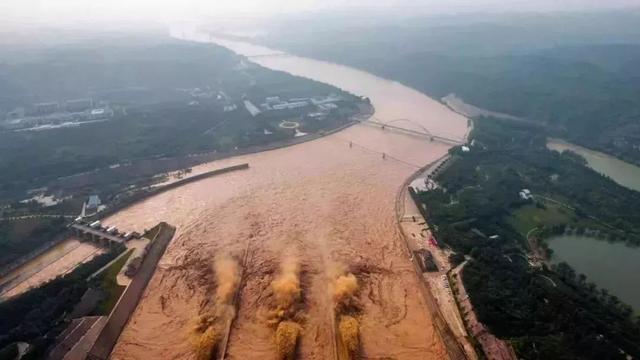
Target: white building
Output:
{"points": [[252, 109], [290, 105], [525, 194]]}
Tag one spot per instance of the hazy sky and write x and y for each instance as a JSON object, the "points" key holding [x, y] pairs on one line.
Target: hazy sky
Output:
{"points": [[29, 11]]}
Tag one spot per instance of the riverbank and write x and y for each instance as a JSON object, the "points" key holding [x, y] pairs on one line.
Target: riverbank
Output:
{"points": [[148, 192], [22, 260], [415, 232], [130, 298], [471, 111], [465, 335], [624, 173], [58, 260]]}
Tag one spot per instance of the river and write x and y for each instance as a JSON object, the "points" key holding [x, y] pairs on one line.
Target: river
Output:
{"points": [[609, 265], [327, 204], [59, 260], [625, 174]]}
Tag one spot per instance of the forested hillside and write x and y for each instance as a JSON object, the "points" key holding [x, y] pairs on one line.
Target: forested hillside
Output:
{"points": [[114, 69]]}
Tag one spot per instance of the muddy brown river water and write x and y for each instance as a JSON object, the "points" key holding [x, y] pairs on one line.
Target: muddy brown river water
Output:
{"points": [[60, 259], [323, 202]]}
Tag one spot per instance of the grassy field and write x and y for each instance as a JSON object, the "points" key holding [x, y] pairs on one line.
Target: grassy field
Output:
{"points": [[109, 284], [529, 216]]}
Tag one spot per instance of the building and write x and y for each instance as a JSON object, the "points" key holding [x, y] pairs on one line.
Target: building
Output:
{"points": [[272, 100], [46, 108], [252, 109], [328, 99], [327, 106], [228, 108], [100, 113], [525, 194], [78, 105], [290, 105], [93, 203]]}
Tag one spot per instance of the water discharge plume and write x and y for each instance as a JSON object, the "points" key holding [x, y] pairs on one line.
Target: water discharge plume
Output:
{"points": [[349, 332], [202, 323], [287, 335], [227, 277], [206, 344], [286, 315], [286, 287], [345, 287], [344, 290], [209, 326]]}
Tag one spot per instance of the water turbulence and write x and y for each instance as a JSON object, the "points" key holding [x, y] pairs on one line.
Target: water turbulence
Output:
{"points": [[327, 200], [287, 314], [344, 289], [211, 326]]}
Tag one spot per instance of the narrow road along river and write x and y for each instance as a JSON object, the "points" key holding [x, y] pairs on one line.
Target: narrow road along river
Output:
{"points": [[323, 202]]}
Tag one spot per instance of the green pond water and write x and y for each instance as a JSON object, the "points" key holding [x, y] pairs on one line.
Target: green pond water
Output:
{"points": [[613, 266]]}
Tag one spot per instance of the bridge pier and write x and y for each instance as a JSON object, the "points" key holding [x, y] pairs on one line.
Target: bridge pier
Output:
{"points": [[97, 236]]}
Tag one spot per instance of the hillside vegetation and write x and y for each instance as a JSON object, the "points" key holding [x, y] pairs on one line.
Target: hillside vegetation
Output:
{"points": [[478, 199], [577, 74]]}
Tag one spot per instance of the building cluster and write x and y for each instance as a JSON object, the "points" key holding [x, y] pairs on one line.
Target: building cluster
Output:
{"points": [[208, 95], [92, 206], [52, 114], [323, 104], [525, 194]]}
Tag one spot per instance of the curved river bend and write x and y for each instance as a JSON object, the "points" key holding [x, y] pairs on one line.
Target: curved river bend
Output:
{"points": [[323, 202], [624, 173]]}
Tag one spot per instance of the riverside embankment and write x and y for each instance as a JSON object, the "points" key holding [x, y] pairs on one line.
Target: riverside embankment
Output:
{"points": [[329, 203]]}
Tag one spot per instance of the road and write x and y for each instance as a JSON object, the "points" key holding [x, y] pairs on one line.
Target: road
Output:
{"points": [[37, 216], [436, 292]]}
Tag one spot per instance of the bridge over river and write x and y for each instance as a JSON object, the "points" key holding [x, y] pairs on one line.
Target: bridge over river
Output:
{"points": [[424, 132]]}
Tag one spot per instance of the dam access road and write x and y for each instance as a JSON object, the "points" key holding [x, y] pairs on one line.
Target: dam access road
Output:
{"points": [[329, 203]]}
